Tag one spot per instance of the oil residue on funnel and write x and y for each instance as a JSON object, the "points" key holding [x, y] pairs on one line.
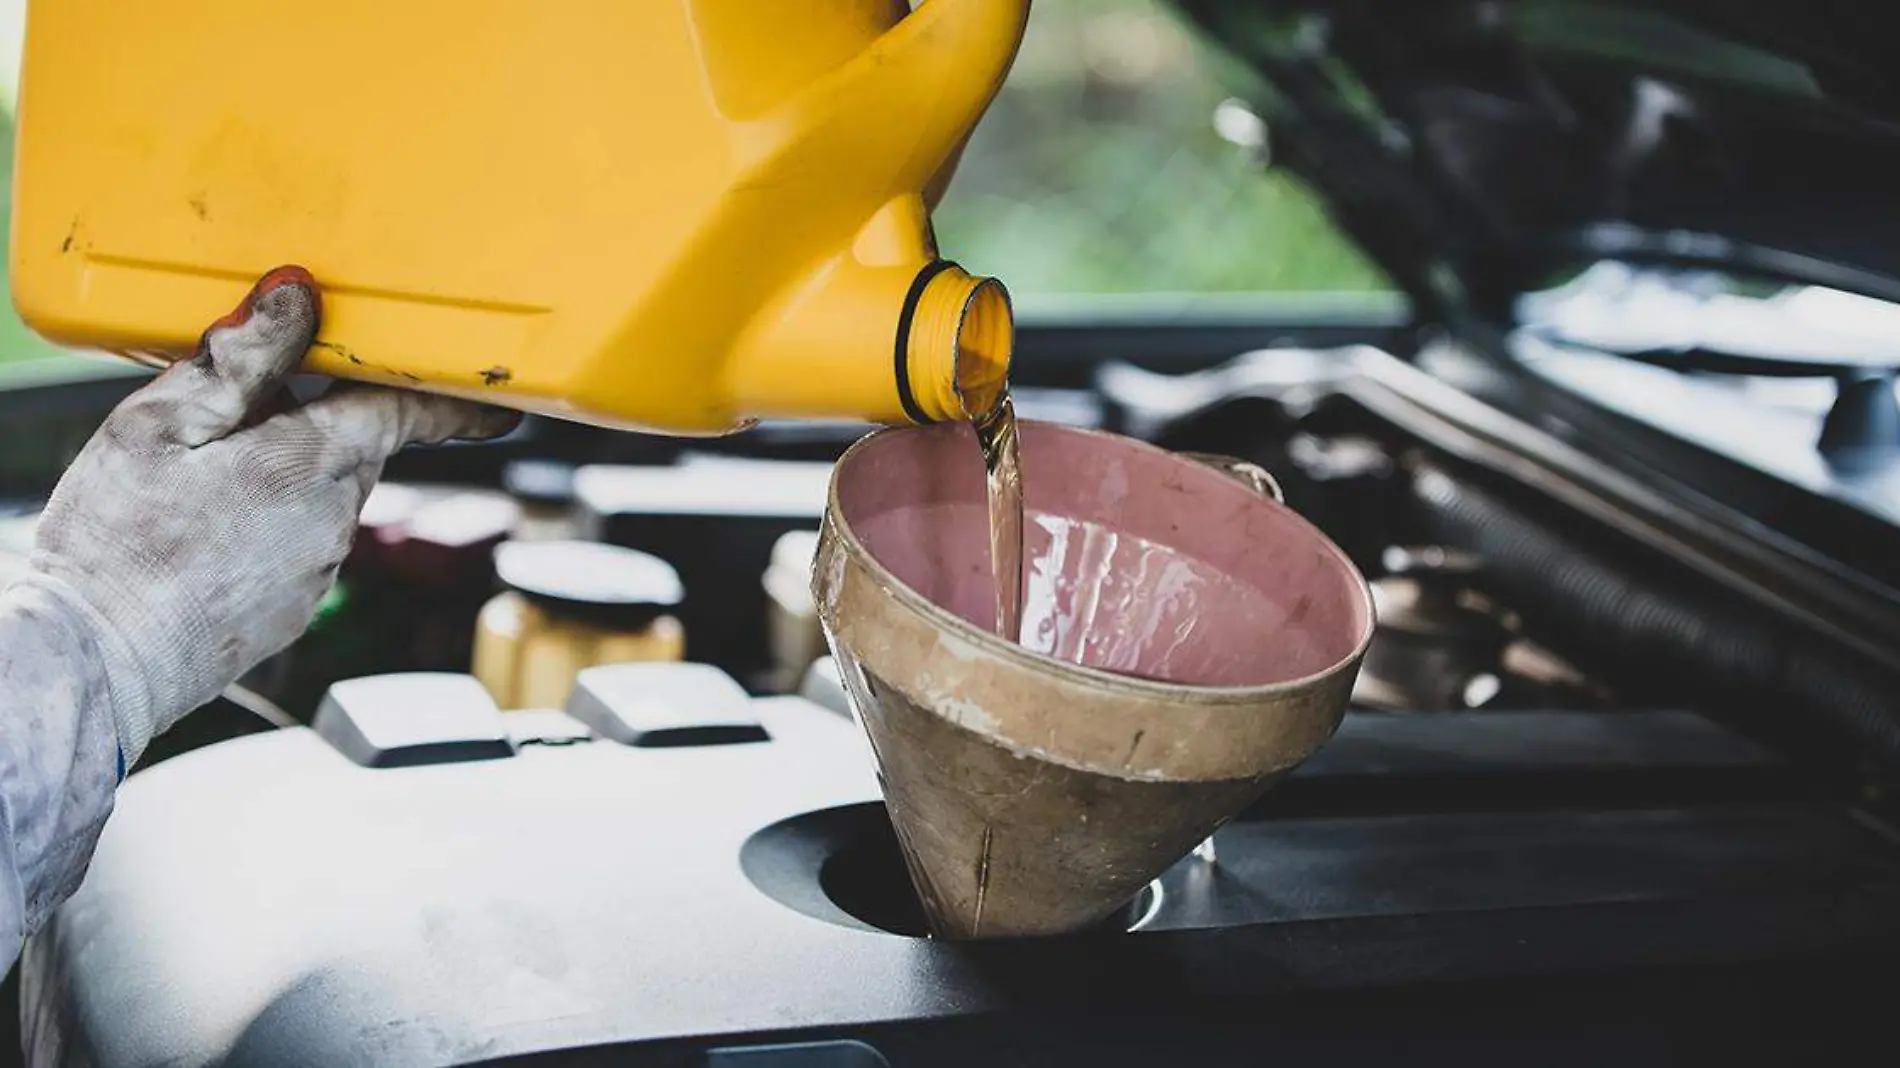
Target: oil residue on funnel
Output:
{"points": [[1106, 599], [1031, 794], [1002, 466]]}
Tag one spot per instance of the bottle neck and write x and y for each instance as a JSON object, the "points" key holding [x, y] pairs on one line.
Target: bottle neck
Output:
{"points": [[886, 344], [955, 340]]}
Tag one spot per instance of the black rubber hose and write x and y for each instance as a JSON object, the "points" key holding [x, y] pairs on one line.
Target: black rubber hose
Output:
{"points": [[1681, 643]]}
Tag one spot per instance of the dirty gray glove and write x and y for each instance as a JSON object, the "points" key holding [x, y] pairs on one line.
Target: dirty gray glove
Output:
{"points": [[197, 531]]}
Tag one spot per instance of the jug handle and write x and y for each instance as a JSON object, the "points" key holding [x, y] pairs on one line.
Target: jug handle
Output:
{"points": [[1252, 475]]}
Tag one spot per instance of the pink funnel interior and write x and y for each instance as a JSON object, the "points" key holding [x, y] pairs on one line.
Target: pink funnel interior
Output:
{"points": [[1136, 561]]}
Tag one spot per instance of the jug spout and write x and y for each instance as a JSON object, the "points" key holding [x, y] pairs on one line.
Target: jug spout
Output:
{"points": [[884, 331], [921, 342]]}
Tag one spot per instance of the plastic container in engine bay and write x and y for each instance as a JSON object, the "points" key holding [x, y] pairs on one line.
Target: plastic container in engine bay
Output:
{"points": [[569, 606]]}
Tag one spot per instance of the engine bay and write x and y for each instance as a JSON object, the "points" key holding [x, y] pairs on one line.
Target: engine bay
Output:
{"points": [[1594, 782]]}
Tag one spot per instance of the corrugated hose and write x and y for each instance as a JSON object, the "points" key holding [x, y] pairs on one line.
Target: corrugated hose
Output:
{"points": [[1687, 643]]}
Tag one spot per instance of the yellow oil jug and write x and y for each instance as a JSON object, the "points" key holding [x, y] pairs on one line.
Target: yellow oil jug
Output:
{"points": [[674, 215]]}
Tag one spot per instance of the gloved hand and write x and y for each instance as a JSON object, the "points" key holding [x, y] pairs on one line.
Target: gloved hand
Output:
{"points": [[199, 528]]}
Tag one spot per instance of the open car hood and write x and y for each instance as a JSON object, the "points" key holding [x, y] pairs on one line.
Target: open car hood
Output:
{"points": [[1481, 149]]}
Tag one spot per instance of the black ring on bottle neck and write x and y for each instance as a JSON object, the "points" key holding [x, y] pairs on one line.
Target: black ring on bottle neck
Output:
{"points": [[917, 286]]}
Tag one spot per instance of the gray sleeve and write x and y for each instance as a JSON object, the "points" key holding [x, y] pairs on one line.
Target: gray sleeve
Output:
{"points": [[59, 758]]}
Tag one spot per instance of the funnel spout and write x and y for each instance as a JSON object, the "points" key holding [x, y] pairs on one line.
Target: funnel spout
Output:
{"points": [[917, 343]]}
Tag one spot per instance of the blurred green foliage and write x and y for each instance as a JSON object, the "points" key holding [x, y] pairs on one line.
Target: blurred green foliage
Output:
{"points": [[17, 344], [1097, 170]]}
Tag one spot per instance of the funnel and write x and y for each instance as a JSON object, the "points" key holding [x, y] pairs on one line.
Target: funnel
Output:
{"points": [[1187, 639]]}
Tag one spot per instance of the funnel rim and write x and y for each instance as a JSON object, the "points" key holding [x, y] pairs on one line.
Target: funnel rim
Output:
{"points": [[1247, 697]]}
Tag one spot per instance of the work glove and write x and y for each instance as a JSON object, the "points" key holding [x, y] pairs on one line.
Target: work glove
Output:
{"points": [[197, 531]]}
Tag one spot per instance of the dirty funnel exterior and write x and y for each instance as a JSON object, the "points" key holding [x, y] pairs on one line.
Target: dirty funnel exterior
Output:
{"points": [[1205, 641]]}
